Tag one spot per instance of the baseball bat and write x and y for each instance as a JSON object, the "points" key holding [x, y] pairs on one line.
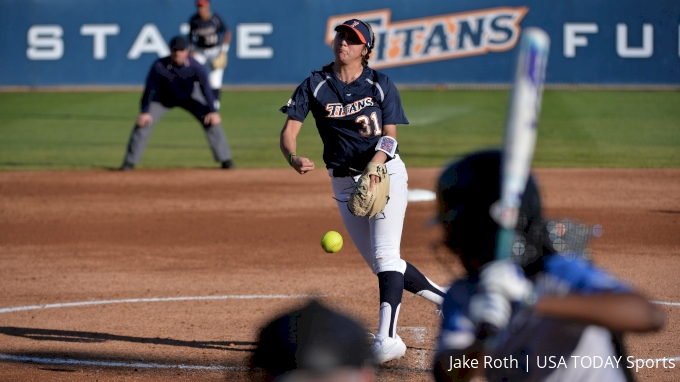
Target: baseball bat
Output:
{"points": [[519, 139]]}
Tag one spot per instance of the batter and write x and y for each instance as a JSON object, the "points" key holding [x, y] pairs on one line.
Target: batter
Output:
{"points": [[577, 310]]}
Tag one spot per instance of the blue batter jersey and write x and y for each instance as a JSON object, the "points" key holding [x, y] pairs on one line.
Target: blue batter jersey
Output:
{"points": [[349, 117], [560, 275], [528, 334], [206, 33], [172, 85]]}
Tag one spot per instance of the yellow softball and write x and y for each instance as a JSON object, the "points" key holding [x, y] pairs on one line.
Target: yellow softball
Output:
{"points": [[331, 242]]}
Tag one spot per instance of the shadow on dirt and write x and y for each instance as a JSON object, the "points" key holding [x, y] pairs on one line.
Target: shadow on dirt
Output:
{"points": [[92, 337]]}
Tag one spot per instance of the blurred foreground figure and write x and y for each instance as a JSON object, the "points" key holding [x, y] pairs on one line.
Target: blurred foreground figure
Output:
{"points": [[532, 317], [314, 344]]}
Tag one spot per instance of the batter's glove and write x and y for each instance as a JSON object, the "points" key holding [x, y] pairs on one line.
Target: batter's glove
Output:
{"points": [[370, 202], [506, 278], [220, 61], [490, 312], [501, 283]]}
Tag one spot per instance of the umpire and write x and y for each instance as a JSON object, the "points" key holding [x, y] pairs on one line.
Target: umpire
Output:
{"points": [[177, 80]]}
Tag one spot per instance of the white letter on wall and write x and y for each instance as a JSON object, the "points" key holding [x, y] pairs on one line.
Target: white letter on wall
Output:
{"points": [[45, 43], [249, 41], [149, 40], [99, 33], [571, 40], [625, 51]]}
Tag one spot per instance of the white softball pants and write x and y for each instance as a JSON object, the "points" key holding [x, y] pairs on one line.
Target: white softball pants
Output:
{"points": [[378, 239], [205, 57]]}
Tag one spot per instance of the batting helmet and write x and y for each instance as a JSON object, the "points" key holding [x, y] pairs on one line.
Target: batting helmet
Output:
{"points": [[466, 190]]}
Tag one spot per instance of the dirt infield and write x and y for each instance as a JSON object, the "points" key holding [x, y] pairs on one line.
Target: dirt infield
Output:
{"points": [[125, 276]]}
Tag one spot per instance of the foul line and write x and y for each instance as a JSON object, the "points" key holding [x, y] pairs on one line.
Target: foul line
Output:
{"points": [[155, 299], [666, 303], [61, 361], [189, 298]]}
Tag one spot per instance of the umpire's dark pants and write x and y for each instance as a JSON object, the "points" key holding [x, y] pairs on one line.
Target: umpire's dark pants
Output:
{"points": [[140, 135]]}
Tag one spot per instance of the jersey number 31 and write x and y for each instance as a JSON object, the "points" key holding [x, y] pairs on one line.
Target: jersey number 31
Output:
{"points": [[365, 122]]}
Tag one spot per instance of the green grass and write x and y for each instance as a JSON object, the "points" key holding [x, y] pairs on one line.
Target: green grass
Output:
{"points": [[89, 130]]}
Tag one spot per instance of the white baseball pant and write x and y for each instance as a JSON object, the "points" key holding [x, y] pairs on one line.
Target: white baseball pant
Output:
{"points": [[378, 239], [205, 57]]}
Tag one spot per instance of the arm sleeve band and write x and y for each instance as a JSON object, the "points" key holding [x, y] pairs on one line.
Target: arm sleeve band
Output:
{"points": [[388, 145]]}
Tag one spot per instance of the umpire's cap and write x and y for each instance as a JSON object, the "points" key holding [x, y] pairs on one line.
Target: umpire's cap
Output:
{"points": [[178, 43], [314, 339], [465, 192]]}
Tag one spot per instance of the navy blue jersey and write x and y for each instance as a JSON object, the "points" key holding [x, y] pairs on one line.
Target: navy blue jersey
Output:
{"points": [[206, 33], [528, 336], [559, 276], [172, 85], [349, 117]]}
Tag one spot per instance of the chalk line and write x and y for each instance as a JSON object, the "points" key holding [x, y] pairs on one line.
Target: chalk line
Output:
{"points": [[666, 303], [154, 299], [140, 365]]}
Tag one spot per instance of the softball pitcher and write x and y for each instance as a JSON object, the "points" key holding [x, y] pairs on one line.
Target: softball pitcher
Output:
{"points": [[356, 110], [206, 48]]}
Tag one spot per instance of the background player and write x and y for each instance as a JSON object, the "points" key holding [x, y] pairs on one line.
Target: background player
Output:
{"points": [[206, 27], [177, 80], [581, 310], [356, 109]]}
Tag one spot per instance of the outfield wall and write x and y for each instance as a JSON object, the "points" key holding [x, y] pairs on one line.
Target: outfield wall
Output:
{"points": [[113, 42]]}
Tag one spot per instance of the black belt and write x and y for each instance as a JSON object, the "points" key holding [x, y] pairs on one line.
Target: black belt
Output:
{"points": [[343, 172], [346, 171]]}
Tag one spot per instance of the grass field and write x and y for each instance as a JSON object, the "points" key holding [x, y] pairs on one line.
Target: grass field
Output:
{"points": [[89, 130]]}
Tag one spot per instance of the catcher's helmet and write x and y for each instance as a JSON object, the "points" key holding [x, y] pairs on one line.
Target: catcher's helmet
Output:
{"points": [[313, 339], [466, 190]]}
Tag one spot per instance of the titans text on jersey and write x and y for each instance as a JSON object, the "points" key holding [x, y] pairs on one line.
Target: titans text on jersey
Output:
{"points": [[337, 110]]}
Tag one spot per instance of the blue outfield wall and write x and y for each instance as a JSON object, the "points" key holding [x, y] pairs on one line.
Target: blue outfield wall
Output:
{"points": [[107, 42]]}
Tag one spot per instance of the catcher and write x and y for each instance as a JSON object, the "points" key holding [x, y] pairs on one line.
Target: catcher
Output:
{"points": [[356, 110], [313, 343], [204, 36]]}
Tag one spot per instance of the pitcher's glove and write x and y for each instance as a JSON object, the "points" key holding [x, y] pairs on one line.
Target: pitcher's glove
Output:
{"points": [[366, 202], [220, 61]]}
